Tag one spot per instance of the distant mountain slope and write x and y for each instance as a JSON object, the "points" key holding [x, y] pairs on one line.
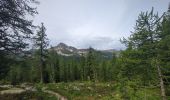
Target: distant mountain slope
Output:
{"points": [[65, 50]]}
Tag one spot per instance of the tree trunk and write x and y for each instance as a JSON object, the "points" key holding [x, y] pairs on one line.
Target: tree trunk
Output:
{"points": [[161, 82], [41, 61], [41, 72], [41, 55]]}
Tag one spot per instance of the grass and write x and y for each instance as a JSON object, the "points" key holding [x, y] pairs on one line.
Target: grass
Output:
{"points": [[84, 90], [101, 91], [88, 91]]}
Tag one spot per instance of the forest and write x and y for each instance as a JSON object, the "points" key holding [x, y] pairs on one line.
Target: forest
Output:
{"points": [[140, 72]]}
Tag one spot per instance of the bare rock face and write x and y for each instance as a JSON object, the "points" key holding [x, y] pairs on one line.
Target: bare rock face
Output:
{"points": [[65, 50]]}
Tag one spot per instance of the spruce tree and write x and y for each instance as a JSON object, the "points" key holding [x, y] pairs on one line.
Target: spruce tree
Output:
{"points": [[90, 64], [164, 48], [41, 42], [15, 29], [142, 52]]}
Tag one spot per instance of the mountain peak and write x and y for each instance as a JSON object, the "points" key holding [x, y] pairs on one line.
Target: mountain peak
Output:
{"points": [[62, 45], [66, 50]]}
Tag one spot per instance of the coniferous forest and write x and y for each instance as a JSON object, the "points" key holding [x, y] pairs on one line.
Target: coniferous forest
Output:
{"points": [[32, 69]]}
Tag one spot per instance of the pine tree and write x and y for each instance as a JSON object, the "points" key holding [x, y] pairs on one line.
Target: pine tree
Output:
{"points": [[41, 42], [164, 48], [90, 64], [142, 52], [15, 29], [53, 65]]}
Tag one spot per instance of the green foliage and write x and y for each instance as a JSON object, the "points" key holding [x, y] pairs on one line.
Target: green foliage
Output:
{"points": [[141, 49], [83, 90], [14, 27], [86, 90], [41, 43], [147, 50], [90, 64]]}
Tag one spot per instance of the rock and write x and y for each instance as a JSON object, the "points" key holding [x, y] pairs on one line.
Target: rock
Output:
{"points": [[90, 88], [76, 88], [6, 86], [12, 91]]}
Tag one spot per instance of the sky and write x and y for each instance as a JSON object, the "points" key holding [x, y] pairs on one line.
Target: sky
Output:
{"points": [[93, 23]]}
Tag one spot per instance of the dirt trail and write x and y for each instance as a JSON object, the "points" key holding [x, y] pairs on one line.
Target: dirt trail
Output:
{"points": [[14, 90], [60, 97]]}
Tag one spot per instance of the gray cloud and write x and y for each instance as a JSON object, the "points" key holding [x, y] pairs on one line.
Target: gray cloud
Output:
{"points": [[96, 23]]}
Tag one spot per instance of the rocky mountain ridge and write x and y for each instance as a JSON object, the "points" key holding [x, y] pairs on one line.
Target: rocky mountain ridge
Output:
{"points": [[65, 50]]}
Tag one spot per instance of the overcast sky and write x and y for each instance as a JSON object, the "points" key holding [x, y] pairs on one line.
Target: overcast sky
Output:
{"points": [[96, 23]]}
